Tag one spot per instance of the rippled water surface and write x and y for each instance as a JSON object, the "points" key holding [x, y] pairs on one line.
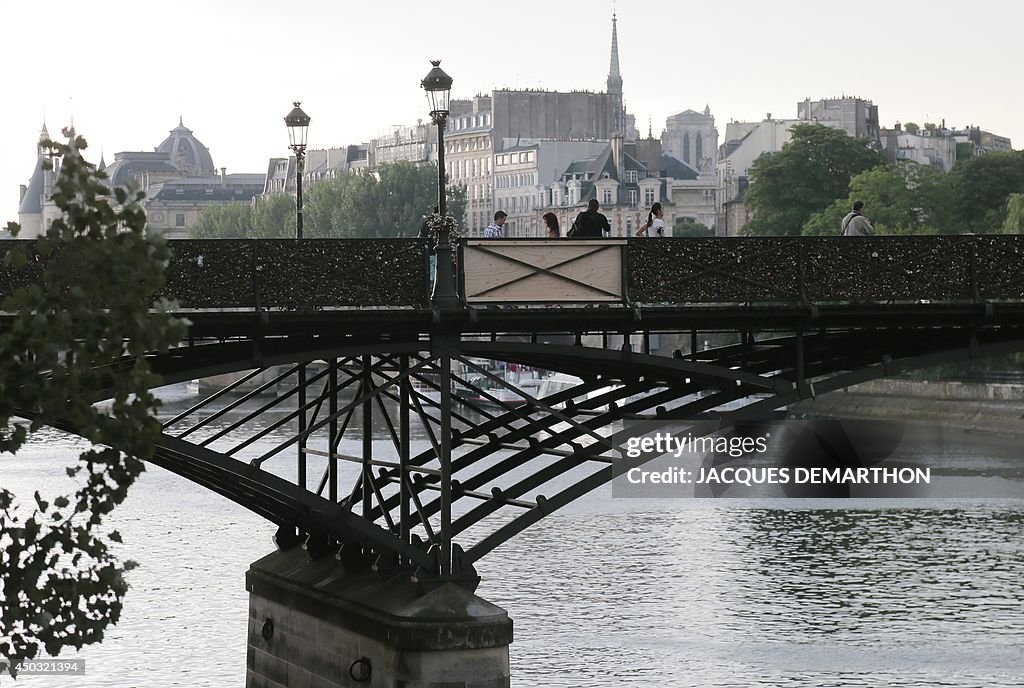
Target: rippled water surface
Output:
{"points": [[621, 592]]}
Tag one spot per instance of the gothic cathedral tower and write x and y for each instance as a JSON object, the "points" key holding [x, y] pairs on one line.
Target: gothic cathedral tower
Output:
{"points": [[615, 82]]}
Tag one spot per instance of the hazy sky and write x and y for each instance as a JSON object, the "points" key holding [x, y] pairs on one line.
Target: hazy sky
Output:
{"points": [[230, 68]]}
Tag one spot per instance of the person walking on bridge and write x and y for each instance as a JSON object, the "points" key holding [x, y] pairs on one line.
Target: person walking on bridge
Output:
{"points": [[855, 224]]}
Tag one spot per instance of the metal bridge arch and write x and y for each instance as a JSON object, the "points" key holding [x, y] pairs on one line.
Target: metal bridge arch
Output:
{"points": [[511, 463]]}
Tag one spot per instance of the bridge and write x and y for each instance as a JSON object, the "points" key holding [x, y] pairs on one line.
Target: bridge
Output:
{"points": [[345, 335]]}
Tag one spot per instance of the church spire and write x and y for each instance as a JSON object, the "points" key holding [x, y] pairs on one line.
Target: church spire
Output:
{"points": [[615, 81], [614, 76]]}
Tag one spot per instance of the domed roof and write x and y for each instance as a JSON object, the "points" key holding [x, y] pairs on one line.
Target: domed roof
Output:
{"points": [[188, 154]]}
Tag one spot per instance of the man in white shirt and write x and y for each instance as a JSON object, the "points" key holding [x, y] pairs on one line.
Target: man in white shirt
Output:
{"points": [[493, 230]]}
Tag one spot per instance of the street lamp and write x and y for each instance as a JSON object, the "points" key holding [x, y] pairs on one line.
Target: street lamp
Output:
{"points": [[438, 86], [297, 122]]}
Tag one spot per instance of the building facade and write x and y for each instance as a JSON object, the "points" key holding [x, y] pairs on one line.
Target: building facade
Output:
{"points": [[691, 136], [469, 157], [178, 177], [856, 116], [935, 148]]}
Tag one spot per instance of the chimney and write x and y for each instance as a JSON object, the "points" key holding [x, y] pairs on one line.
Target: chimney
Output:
{"points": [[617, 156], [898, 127], [223, 176]]}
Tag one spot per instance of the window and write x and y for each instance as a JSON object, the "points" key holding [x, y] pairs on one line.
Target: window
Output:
{"points": [[631, 176], [179, 219], [606, 197], [700, 150], [633, 198], [648, 197], [686, 148]]}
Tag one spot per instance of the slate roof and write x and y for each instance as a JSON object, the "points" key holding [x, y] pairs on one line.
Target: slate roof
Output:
{"points": [[677, 169], [132, 164], [238, 188], [32, 202], [187, 153]]}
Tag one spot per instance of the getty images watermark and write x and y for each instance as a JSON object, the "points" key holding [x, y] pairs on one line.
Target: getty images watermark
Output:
{"points": [[792, 459]]}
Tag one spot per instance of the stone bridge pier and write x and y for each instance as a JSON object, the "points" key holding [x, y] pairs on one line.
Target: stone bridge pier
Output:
{"points": [[318, 624]]}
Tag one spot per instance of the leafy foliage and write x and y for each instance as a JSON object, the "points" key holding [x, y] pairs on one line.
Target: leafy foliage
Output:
{"points": [[688, 227], [904, 198], [274, 218], [88, 315], [805, 177], [388, 202], [232, 221], [1014, 223], [981, 187]]}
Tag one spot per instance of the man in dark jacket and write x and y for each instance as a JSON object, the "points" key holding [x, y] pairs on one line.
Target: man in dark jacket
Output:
{"points": [[590, 224]]}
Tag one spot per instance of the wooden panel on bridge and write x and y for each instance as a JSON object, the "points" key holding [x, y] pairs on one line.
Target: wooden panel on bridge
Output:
{"points": [[543, 270]]}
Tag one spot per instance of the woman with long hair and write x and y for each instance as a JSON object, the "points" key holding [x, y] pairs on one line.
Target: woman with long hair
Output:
{"points": [[551, 224], [655, 223]]}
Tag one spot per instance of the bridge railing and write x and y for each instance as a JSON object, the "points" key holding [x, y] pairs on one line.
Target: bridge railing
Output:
{"points": [[380, 273], [821, 269], [274, 273]]}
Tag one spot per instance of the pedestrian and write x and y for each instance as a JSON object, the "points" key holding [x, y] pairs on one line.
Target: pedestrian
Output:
{"points": [[551, 225], [590, 224], [655, 223], [493, 230], [855, 224]]}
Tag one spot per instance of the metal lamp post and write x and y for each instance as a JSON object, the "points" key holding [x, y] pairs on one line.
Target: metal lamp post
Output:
{"points": [[438, 86], [297, 122]]}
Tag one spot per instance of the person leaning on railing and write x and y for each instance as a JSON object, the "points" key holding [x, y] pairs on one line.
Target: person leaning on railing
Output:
{"points": [[590, 224]]}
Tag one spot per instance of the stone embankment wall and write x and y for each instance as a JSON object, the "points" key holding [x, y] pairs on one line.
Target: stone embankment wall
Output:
{"points": [[966, 406]]}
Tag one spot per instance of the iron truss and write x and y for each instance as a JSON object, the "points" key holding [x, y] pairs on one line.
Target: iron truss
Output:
{"points": [[468, 457]]}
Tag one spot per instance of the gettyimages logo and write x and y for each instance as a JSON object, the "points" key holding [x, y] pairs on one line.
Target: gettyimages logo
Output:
{"points": [[804, 459]]}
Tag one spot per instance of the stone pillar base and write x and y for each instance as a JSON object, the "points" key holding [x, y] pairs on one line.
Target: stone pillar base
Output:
{"points": [[314, 624]]}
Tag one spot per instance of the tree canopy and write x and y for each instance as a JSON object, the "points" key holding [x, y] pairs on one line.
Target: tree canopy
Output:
{"points": [[981, 187], [232, 221], [1014, 223], [89, 308], [904, 198], [805, 177], [688, 227], [387, 202]]}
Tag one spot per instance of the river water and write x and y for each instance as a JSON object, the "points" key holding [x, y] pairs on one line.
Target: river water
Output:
{"points": [[624, 592]]}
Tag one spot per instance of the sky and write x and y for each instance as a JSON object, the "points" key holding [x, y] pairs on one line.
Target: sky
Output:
{"points": [[230, 69]]}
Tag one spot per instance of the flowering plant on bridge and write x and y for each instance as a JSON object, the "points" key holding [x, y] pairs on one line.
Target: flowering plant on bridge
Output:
{"points": [[437, 224], [79, 333]]}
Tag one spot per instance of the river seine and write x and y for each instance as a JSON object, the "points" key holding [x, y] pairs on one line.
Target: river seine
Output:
{"points": [[618, 592]]}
